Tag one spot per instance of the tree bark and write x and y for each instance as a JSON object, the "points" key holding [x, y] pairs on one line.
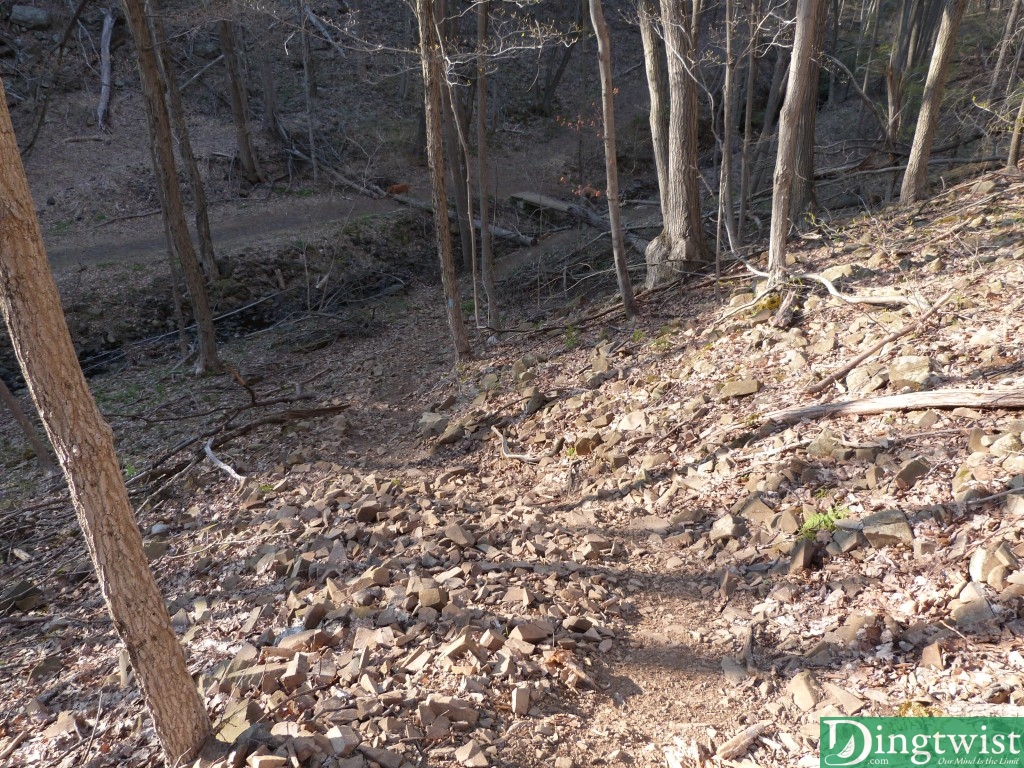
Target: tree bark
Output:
{"points": [[682, 237], [430, 59], [604, 58], [483, 167], [802, 197], [271, 117], [177, 112], [915, 180], [84, 444], [105, 67], [167, 179], [239, 102], [654, 64], [1014, 154], [309, 81], [753, 41], [807, 12], [725, 196]]}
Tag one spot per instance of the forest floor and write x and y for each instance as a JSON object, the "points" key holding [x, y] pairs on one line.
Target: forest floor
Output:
{"points": [[660, 560]]}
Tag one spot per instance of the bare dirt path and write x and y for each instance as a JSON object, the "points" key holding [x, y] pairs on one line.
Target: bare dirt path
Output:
{"points": [[234, 225]]}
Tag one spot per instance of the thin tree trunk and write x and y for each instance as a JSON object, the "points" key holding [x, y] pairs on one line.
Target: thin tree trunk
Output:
{"points": [[271, 117], [748, 120], [1011, 81], [309, 81], [604, 58], [728, 109], [654, 63], [915, 180], [84, 445], [153, 90], [780, 73], [430, 57], [1004, 45], [483, 168], [104, 103], [239, 102], [177, 112], [27, 428], [1011, 160], [807, 12]]}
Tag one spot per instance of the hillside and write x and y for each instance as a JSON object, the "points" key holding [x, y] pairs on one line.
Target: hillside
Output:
{"points": [[650, 562], [679, 540]]}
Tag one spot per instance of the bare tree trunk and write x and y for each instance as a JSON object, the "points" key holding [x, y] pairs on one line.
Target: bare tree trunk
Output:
{"points": [[177, 112], [915, 180], [451, 126], [483, 168], [27, 428], [728, 109], [239, 102], [84, 445], [167, 180], [748, 119], [1011, 81], [802, 196], [1004, 45], [780, 73], [545, 87], [1011, 160], [309, 81], [604, 58], [807, 13], [430, 56], [271, 117], [654, 63], [104, 103], [682, 237]]}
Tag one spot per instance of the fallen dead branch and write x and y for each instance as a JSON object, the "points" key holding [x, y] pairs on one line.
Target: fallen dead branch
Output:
{"points": [[1010, 399], [225, 468], [908, 328]]}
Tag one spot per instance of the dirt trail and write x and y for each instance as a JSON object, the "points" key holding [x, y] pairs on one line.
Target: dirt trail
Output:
{"points": [[234, 225]]}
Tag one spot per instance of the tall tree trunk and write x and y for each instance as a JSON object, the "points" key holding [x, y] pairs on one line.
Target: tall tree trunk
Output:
{"points": [[1014, 154], [167, 179], [239, 102], [309, 81], [604, 58], [84, 445], [430, 57], [754, 26], [27, 428], [728, 110], [780, 73], [802, 196], [682, 237], [1004, 45], [654, 63], [915, 180], [271, 116], [177, 111], [807, 13], [483, 8], [451, 127]]}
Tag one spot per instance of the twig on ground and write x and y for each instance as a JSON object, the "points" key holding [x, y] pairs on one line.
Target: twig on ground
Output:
{"points": [[230, 472], [906, 329]]}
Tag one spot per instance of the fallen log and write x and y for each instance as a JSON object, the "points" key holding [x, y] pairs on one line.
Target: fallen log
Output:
{"points": [[578, 212], [499, 232], [1008, 399]]}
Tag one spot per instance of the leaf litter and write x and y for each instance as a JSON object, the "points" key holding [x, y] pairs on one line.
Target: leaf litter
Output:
{"points": [[639, 568]]}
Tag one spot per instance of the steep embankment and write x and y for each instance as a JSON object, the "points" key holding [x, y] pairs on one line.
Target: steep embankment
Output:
{"points": [[649, 562]]}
